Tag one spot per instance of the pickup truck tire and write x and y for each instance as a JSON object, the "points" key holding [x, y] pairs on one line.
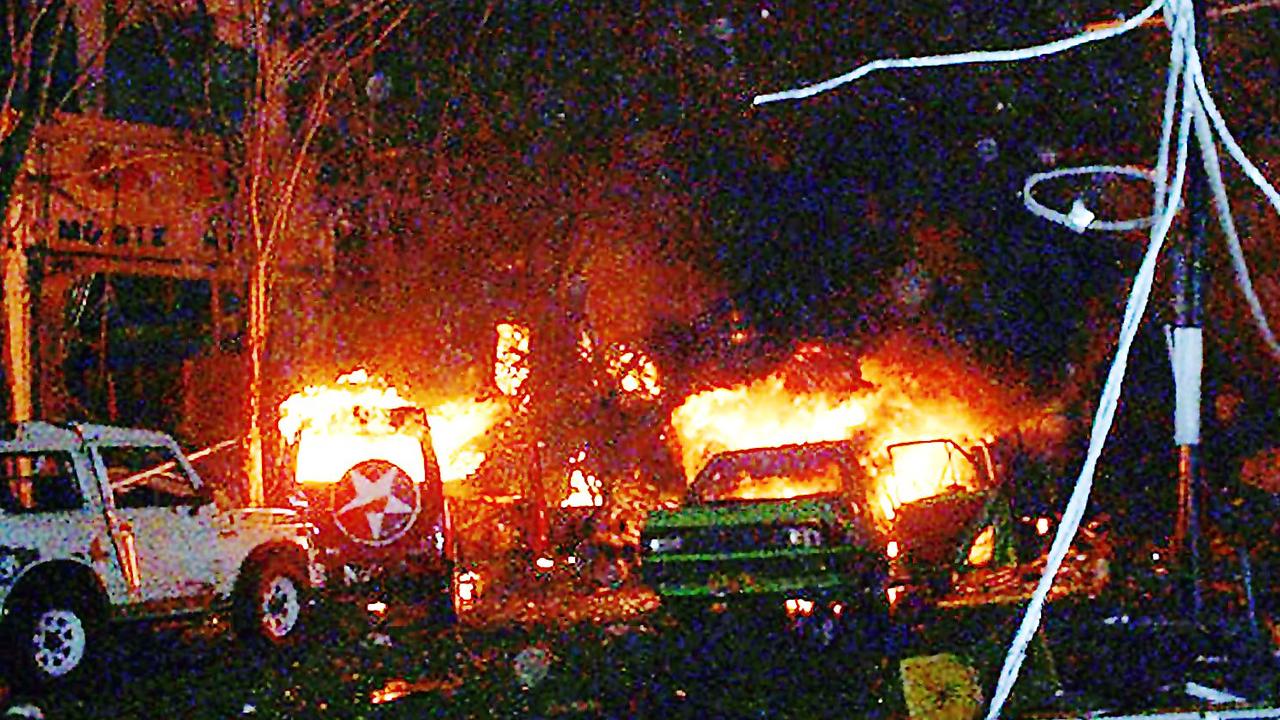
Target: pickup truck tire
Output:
{"points": [[270, 601], [53, 635]]}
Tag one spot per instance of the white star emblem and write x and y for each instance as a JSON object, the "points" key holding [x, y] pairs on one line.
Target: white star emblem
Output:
{"points": [[368, 493]]}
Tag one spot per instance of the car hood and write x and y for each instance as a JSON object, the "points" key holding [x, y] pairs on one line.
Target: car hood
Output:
{"points": [[747, 512]]}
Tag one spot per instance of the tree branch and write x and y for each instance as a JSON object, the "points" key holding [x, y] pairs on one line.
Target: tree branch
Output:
{"points": [[293, 65], [83, 74]]}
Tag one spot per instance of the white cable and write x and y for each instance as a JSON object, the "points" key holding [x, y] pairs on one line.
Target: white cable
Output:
{"points": [[1251, 171], [966, 58], [1213, 171], [1160, 177], [1229, 140], [1134, 310], [1196, 104], [1166, 120], [1040, 210]]}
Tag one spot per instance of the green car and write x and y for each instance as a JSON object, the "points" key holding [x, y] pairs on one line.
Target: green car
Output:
{"points": [[814, 536], [786, 534]]}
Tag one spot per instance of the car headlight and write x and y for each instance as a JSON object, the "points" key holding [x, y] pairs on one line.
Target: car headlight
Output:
{"points": [[665, 544], [804, 537]]}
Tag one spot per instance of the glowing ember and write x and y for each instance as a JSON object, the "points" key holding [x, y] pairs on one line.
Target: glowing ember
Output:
{"points": [[468, 589], [457, 431], [584, 490], [635, 371], [916, 392], [511, 366], [586, 347], [584, 486]]}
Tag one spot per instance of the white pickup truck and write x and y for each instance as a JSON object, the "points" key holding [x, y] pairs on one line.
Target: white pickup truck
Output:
{"points": [[103, 524]]}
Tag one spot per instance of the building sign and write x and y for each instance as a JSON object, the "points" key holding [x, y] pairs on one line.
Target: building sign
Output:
{"points": [[126, 192], [200, 242]]}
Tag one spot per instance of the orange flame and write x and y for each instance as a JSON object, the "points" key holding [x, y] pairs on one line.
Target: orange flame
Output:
{"points": [[511, 358], [760, 414], [337, 426], [782, 487], [916, 393], [457, 430]]}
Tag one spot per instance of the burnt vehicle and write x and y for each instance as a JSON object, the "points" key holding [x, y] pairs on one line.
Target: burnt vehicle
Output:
{"points": [[824, 532], [787, 535], [956, 518], [367, 478]]}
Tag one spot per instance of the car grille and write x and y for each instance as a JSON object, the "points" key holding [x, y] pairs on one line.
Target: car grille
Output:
{"points": [[744, 572], [730, 539]]}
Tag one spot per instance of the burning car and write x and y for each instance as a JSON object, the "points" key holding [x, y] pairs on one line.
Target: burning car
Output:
{"points": [[939, 537], [788, 533], [818, 533], [367, 478]]}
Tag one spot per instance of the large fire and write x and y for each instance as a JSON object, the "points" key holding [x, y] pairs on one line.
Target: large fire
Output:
{"points": [[911, 392], [764, 413], [777, 486], [360, 418], [511, 358], [457, 431]]}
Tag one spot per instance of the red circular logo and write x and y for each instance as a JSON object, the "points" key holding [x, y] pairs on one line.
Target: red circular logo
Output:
{"points": [[376, 503]]}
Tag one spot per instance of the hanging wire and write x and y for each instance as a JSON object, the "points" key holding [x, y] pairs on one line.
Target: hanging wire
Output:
{"points": [[1198, 108]]}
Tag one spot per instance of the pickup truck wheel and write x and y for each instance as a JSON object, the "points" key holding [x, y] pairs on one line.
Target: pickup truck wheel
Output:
{"points": [[53, 636], [271, 601]]}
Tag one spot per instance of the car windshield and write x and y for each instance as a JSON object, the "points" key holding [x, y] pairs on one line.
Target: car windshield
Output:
{"points": [[922, 470], [770, 474]]}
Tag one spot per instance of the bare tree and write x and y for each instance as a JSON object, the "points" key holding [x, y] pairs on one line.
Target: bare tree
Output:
{"points": [[273, 151], [33, 37]]}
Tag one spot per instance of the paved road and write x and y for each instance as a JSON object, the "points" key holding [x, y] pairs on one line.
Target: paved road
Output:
{"points": [[608, 657], [549, 653]]}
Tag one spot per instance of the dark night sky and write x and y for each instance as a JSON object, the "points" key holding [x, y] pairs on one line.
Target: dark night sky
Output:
{"points": [[805, 261], [796, 239], [910, 139]]}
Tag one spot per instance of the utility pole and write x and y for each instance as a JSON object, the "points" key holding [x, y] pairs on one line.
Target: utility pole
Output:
{"points": [[1188, 349]]}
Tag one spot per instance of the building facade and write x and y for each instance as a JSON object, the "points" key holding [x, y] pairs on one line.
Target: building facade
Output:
{"points": [[125, 263]]}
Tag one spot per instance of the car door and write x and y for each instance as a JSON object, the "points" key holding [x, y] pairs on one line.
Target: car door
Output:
{"points": [[164, 523], [47, 513]]}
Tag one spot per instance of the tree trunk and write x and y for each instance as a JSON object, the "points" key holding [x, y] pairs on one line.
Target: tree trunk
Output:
{"points": [[255, 467]]}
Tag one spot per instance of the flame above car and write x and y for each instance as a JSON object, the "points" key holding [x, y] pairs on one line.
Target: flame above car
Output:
{"points": [[902, 396], [360, 417]]}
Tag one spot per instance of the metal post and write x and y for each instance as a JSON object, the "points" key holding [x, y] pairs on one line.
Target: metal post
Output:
{"points": [[1188, 305]]}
